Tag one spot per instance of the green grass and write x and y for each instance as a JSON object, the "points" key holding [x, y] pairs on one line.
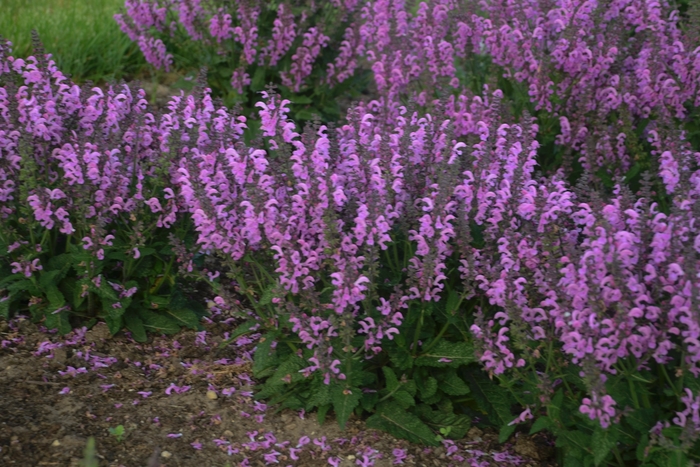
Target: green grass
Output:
{"points": [[81, 34]]}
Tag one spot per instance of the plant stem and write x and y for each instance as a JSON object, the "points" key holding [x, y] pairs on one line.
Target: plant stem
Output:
{"points": [[414, 349], [165, 274], [437, 338]]}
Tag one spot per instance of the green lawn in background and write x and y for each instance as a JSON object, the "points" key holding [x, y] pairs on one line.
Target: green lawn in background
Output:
{"points": [[81, 34]]}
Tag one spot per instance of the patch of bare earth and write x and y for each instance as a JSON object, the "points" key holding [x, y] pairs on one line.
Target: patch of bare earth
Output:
{"points": [[182, 403]]}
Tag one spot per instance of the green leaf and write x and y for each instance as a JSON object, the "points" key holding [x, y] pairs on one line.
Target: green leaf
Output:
{"points": [[305, 115], [107, 293], [322, 412], [114, 324], [157, 323], [267, 296], [491, 398], [288, 368], [24, 285], [453, 301], [452, 384], [184, 317], [320, 393], [5, 309], [258, 81], [427, 387], [58, 321], [642, 447], [505, 432], [55, 297], [542, 423], [402, 424], [452, 354], [300, 99], [369, 401], [48, 279], [457, 424], [400, 358], [574, 442], [642, 420], [135, 325], [403, 399], [392, 381], [264, 356], [602, 442], [554, 408], [344, 402]]}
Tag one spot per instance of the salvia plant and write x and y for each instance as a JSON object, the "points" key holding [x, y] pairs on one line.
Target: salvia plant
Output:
{"points": [[248, 45], [420, 263], [602, 73], [89, 219]]}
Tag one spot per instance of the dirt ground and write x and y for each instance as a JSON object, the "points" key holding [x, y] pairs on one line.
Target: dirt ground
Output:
{"points": [[182, 404]]}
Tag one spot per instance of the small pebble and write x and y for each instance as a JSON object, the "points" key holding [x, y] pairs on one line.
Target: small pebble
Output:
{"points": [[211, 395], [166, 455], [56, 443]]}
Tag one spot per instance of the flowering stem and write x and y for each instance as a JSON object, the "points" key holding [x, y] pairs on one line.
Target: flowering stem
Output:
{"points": [[668, 379], [437, 338], [165, 275], [618, 457], [418, 330]]}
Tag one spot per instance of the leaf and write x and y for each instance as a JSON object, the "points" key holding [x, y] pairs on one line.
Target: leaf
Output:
{"points": [[602, 442], [344, 402], [642, 447], [491, 398], [48, 279], [58, 321], [452, 384], [289, 367], [642, 420], [505, 432], [403, 399], [574, 443], [554, 409], [305, 115], [5, 309], [392, 381], [458, 424], [452, 354], [183, 317], [322, 411], [135, 325], [298, 99], [24, 285], [258, 81], [157, 323], [320, 393], [55, 297], [114, 324], [267, 296], [402, 424], [542, 423], [400, 358], [369, 401], [263, 357], [427, 387]]}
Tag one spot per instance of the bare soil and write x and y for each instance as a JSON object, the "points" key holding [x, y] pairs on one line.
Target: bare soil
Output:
{"points": [[58, 391]]}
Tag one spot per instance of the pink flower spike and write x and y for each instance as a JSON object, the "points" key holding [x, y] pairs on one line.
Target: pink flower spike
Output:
{"points": [[145, 394], [118, 406], [175, 435], [196, 445], [65, 390]]}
